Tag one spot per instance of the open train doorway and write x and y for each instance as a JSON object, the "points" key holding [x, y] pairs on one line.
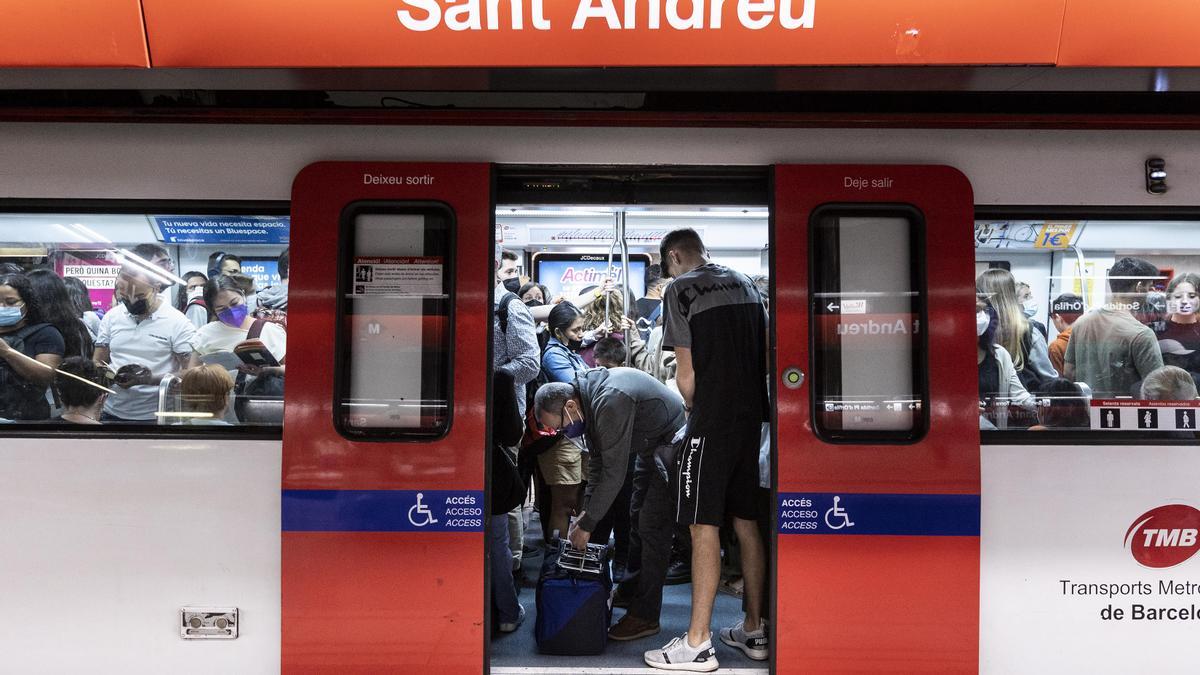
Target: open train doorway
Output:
{"points": [[580, 288]]}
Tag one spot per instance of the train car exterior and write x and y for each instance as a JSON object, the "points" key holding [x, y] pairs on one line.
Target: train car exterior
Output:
{"points": [[1027, 558]]}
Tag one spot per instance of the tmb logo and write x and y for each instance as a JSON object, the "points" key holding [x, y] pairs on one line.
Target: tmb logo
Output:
{"points": [[1165, 536]]}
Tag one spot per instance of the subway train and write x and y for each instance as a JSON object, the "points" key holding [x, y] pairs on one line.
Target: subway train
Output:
{"points": [[919, 525]]}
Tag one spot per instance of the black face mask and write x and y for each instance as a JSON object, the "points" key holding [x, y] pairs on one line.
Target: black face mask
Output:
{"points": [[534, 303], [574, 345], [512, 285], [136, 307]]}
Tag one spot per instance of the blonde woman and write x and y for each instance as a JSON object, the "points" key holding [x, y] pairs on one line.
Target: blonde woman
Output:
{"points": [[597, 325], [1030, 355]]}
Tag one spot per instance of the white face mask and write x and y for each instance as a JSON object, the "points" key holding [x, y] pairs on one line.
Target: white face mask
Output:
{"points": [[982, 320], [197, 292], [1029, 307]]}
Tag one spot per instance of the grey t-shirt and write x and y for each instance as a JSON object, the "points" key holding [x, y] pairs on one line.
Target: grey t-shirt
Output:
{"points": [[1111, 351]]}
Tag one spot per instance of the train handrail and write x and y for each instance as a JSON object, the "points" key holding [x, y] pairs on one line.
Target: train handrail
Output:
{"points": [[165, 385]]}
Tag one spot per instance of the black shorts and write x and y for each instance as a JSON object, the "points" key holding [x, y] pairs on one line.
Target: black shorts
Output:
{"points": [[716, 474]]}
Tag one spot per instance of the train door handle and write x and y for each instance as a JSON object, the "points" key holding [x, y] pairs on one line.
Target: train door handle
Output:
{"points": [[793, 378]]}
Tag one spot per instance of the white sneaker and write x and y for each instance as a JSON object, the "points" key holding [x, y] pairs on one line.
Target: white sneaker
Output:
{"points": [[510, 627], [752, 644], [679, 655]]}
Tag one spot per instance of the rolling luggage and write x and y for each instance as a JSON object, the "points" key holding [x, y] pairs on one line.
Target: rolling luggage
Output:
{"points": [[573, 610]]}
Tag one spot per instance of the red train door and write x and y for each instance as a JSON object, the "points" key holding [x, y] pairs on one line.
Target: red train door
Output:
{"points": [[877, 428], [383, 446]]}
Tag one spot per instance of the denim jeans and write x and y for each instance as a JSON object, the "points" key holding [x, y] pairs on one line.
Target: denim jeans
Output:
{"points": [[504, 591]]}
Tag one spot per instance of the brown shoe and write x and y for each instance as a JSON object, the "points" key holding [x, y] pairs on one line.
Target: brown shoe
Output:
{"points": [[631, 627]]}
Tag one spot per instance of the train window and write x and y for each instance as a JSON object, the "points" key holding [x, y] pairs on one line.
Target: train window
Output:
{"points": [[1088, 324], [396, 303], [867, 317], [143, 319]]}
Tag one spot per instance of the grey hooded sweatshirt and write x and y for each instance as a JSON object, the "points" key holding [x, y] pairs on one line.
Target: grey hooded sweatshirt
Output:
{"points": [[626, 411]]}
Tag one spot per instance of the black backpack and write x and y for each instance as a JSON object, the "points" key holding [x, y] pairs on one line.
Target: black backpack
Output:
{"points": [[502, 310], [21, 399]]}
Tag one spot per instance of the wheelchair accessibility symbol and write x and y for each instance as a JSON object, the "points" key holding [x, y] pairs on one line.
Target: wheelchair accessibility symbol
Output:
{"points": [[422, 511], [836, 514]]}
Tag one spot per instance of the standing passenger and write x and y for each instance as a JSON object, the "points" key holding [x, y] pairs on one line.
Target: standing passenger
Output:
{"points": [[58, 310], [715, 322], [1183, 322], [81, 300], [143, 339], [625, 413], [1016, 334], [83, 395], [562, 465], [1110, 349], [191, 299], [30, 350], [514, 351], [1064, 312]]}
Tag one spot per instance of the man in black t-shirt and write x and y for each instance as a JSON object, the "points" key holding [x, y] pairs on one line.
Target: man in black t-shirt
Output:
{"points": [[715, 322]]}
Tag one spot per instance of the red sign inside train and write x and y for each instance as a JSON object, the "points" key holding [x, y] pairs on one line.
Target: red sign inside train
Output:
{"points": [[595, 33], [1165, 536]]}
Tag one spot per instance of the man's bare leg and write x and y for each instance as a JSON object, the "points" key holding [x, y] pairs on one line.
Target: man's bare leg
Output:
{"points": [[706, 575], [753, 571]]}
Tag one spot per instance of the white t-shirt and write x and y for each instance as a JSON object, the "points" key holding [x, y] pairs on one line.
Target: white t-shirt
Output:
{"points": [[219, 337], [152, 342]]}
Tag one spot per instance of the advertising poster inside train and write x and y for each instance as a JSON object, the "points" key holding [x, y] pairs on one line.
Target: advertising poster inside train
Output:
{"points": [[572, 275]]}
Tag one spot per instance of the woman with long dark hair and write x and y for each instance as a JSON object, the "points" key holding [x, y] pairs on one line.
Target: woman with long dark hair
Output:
{"points": [[58, 310], [30, 350], [81, 300], [562, 465]]}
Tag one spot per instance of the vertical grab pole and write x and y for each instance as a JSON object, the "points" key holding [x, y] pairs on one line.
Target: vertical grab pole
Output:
{"points": [[617, 217], [624, 278]]}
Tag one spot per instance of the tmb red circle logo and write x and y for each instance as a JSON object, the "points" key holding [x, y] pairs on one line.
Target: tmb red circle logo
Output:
{"points": [[1165, 536]]}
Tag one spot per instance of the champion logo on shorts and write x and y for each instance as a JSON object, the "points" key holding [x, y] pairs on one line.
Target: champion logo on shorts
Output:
{"points": [[693, 447]]}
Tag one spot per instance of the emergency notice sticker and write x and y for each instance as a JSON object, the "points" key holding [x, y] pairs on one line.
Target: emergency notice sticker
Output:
{"points": [[397, 276]]}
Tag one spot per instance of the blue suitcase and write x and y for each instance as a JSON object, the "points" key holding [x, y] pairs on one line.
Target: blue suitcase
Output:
{"points": [[573, 610]]}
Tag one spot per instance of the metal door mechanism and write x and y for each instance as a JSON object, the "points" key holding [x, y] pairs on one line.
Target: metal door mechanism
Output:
{"points": [[208, 623]]}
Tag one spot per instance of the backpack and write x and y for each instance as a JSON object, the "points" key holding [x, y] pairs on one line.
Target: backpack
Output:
{"points": [[19, 398], [502, 310]]}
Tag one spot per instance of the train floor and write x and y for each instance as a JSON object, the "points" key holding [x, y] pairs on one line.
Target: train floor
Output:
{"points": [[516, 653]]}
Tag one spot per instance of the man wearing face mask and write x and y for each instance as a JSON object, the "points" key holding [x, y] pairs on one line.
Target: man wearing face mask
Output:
{"points": [[1109, 348], [143, 338], [622, 411]]}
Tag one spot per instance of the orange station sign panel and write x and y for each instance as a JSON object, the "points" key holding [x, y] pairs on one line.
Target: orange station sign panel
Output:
{"points": [[598, 33], [1103, 33], [72, 33]]}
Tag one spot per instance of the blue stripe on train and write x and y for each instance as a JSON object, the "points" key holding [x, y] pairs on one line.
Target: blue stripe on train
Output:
{"points": [[383, 511], [951, 515]]}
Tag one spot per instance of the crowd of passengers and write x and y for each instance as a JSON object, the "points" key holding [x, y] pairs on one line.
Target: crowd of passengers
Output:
{"points": [[602, 406], [1142, 343], [62, 359]]}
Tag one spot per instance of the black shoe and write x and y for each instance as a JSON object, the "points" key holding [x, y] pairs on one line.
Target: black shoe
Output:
{"points": [[679, 572]]}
